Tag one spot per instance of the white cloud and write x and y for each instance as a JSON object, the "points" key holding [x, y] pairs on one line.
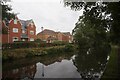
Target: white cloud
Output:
{"points": [[50, 14]]}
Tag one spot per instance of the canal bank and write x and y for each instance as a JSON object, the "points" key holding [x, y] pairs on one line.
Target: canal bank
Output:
{"points": [[111, 71], [12, 54]]}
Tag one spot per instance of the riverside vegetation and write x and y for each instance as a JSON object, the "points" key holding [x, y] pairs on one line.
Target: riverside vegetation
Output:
{"points": [[11, 54]]}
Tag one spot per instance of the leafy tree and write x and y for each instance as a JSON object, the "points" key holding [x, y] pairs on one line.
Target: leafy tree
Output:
{"points": [[100, 21], [6, 10], [6, 14]]}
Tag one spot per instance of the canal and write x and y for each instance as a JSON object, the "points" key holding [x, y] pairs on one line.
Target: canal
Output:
{"points": [[82, 64]]}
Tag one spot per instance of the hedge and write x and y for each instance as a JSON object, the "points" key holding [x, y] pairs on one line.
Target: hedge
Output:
{"points": [[16, 45]]}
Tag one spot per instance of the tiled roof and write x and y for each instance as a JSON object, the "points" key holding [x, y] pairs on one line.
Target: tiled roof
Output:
{"points": [[47, 31], [25, 23], [66, 33]]}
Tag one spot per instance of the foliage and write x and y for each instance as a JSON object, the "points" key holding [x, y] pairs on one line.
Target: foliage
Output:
{"points": [[69, 48], [100, 21], [92, 60], [39, 41], [59, 42], [22, 44], [29, 54], [4, 30], [6, 11]]}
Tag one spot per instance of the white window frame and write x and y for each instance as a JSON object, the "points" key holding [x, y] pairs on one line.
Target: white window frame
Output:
{"points": [[15, 21], [15, 39], [32, 32], [32, 25], [23, 31], [31, 39], [15, 30], [23, 39]]}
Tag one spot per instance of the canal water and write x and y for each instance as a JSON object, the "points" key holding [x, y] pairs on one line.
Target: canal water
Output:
{"points": [[81, 64]]}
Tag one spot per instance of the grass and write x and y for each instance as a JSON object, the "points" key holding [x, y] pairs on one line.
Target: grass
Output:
{"points": [[111, 71]]}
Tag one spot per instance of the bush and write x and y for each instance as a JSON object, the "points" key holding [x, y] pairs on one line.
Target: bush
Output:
{"points": [[4, 57], [19, 45], [51, 51], [22, 44], [60, 42], [29, 54], [69, 47]]}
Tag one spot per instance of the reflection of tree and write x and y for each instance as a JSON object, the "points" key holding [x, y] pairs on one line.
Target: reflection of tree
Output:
{"points": [[92, 61], [26, 68], [49, 59], [27, 72]]}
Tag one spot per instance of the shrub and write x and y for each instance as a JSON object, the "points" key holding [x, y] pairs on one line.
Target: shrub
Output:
{"points": [[59, 43], [29, 54], [51, 51], [69, 47], [19, 45]]}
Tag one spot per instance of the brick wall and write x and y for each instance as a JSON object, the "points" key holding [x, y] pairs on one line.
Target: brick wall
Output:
{"points": [[11, 33], [29, 29]]}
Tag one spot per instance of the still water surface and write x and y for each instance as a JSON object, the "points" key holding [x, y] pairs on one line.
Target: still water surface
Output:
{"points": [[67, 65]]}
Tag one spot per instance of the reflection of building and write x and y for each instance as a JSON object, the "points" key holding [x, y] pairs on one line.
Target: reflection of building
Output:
{"points": [[18, 30], [21, 73], [50, 36]]}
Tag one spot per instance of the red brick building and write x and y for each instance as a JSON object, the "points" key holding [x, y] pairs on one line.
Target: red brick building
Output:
{"points": [[50, 36], [19, 30]]}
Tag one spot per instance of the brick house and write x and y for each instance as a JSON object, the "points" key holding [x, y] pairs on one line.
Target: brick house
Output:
{"points": [[50, 36], [28, 30], [20, 30]]}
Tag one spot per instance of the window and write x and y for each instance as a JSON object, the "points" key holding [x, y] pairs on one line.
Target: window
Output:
{"points": [[31, 39], [23, 39], [15, 39], [32, 32], [15, 21], [15, 30], [32, 25], [23, 31]]}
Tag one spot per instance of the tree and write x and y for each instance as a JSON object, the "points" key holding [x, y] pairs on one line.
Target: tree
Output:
{"points": [[100, 19], [6, 11], [6, 14]]}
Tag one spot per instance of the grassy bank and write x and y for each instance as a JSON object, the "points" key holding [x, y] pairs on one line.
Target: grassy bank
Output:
{"points": [[111, 71], [30, 52]]}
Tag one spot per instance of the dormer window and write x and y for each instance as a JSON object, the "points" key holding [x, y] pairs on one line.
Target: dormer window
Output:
{"points": [[15, 21], [32, 25]]}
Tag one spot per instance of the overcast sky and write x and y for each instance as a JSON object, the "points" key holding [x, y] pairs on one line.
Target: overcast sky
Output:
{"points": [[50, 14]]}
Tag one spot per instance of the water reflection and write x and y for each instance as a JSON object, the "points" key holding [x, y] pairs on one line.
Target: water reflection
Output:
{"points": [[87, 63], [63, 69], [91, 62], [49, 66], [23, 72]]}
